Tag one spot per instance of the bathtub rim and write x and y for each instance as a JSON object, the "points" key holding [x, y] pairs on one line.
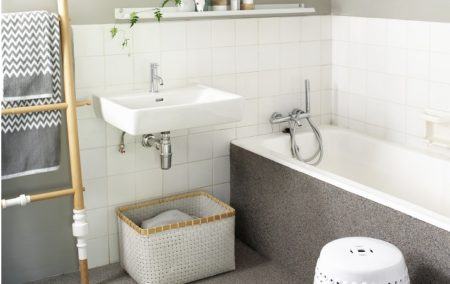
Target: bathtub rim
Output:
{"points": [[346, 184]]}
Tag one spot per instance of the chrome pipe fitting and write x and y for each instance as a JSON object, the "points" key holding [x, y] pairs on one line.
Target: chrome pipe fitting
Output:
{"points": [[163, 144]]}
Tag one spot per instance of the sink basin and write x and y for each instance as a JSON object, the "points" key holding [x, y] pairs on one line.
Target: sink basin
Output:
{"points": [[187, 107]]}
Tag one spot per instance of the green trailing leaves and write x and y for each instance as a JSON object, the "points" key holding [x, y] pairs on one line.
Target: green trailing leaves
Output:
{"points": [[134, 18], [125, 42], [158, 14], [113, 31]]}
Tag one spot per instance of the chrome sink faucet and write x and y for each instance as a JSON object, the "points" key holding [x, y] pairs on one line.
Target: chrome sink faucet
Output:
{"points": [[155, 79]]}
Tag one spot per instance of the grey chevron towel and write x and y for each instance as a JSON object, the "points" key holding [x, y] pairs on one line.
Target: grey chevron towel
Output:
{"points": [[31, 69]]}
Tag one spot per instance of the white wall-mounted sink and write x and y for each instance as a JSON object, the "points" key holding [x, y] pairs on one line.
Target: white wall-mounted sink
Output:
{"points": [[187, 107]]}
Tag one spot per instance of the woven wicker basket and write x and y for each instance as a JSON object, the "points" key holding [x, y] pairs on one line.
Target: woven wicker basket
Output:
{"points": [[181, 252]]}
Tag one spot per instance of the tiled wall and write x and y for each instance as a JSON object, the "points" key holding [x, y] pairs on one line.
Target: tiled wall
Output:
{"points": [[264, 60], [386, 72]]}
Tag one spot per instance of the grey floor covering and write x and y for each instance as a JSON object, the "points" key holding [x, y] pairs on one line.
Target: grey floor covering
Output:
{"points": [[250, 268]]}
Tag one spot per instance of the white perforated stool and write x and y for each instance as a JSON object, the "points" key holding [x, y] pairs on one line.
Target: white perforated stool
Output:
{"points": [[359, 260]]}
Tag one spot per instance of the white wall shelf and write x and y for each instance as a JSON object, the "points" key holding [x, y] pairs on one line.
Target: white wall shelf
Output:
{"points": [[259, 11]]}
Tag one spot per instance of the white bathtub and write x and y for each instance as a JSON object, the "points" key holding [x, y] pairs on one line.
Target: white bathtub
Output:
{"points": [[409, 181]]}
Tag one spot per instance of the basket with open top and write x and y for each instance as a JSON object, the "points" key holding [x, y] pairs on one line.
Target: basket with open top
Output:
{"points": [[180, 252]]}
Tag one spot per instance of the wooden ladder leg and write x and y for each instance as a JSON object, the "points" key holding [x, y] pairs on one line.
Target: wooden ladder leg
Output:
{"points": [[80, 226]]}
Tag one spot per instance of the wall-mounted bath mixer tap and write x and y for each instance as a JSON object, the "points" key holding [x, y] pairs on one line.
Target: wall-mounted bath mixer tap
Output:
{"points": [[162, 144], [155, 79], [295, 119]]}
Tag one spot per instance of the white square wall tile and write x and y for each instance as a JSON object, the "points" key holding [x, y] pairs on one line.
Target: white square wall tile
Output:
{"points": [[358, 81], [269, 83], [357, 107], [92, 133], [290, 55], [440, 67], [98, 222], [417, 92], [173, 35], [376, 58], [118, 163], [247, 84], [199, 62], [325, 52], [179, 149], [246, 58], [290, 81], [340, 53], [200, 174], [173, 64], [376, 31], [250, 113], [149, 184], [418, 64], [269, 29], [415, 124], [340, 26], [440, 37], [311, 29], [246, 31], [88, 42], [96, 193], [93, 163], [358, 29], [439, 96], [223, 33], [325, 27], [266, 107], [222, 140], [200, 146], [98, 252], [89, 72], [224, 60], [222, 191], [198, 34], [396, 61], [418, 35], [397, 30], [310, 54], [118, 69], [175, 180], [289, 29], [221, 170], [121, 189], [113, 248], [146, 38], [268, 57]]}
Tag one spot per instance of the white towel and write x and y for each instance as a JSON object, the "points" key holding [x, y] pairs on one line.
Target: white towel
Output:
{"points": [[166, 218]]}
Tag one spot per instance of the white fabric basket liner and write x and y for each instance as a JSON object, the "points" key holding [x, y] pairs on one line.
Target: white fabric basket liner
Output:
{"points": [[182, 252]]}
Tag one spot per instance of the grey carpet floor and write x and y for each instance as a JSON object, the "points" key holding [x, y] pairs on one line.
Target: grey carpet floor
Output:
{"points": [[250, 268]]}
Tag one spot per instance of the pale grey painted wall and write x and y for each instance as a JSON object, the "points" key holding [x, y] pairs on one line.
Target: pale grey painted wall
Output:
{"points": [[37, 240], [102, 11], [420, 10]]}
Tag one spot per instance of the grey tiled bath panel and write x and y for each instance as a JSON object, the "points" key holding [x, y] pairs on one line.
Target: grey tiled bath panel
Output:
{"points": [[288, 216]]}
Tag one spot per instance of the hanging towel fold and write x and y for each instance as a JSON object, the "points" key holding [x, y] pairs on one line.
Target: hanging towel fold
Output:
{"points": [[31, 68]]}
